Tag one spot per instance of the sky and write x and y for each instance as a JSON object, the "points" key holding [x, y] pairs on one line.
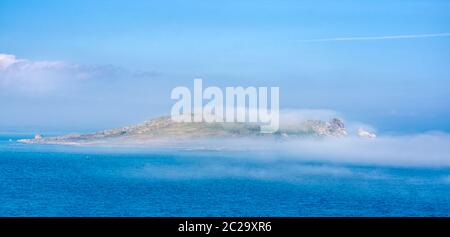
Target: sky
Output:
{"points": [[89, 65]]}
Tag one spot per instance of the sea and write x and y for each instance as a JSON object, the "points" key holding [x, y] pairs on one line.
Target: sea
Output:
{"points": [[59, 180]]}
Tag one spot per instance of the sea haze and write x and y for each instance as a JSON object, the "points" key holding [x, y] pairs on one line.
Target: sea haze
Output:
{"points": [[53, 180]]}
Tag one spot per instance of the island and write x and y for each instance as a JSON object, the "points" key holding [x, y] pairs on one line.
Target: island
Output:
{"points": [[164, 131]]}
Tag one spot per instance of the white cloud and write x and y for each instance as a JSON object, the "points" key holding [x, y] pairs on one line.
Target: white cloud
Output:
{"points": [[385, 37], [414, 150], [428, 149], [7, 60], [25, 76]]}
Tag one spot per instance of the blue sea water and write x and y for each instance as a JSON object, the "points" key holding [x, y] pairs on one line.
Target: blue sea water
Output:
{"points": [[49, 180]]}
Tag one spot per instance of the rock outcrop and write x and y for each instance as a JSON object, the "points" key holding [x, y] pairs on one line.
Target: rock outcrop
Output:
{"points": [[164, 128], [365, 134]]}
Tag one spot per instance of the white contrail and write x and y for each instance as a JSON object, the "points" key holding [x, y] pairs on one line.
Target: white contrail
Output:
{"points": [[386, 37]]}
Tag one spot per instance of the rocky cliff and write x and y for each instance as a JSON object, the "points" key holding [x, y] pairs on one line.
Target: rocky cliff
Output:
{"points": [[164, 129]]}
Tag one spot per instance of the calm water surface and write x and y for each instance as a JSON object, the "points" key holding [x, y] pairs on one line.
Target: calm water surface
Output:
{"points": [[47, 180]]}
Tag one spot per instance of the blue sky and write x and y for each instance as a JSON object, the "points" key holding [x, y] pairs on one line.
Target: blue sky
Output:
{"points": [[395, 84]]}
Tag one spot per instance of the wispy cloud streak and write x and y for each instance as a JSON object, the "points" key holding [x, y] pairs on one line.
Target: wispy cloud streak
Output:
{"points": [[386, 37]]}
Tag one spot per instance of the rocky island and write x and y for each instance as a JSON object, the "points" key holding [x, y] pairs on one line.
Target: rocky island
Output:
{"points": [[164, 131]]}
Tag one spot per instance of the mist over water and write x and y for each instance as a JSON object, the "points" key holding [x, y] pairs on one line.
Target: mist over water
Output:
{"points": [[47, 180]]}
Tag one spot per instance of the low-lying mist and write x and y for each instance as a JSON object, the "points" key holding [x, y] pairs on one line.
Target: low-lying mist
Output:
{"points": [[428, 149]]}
